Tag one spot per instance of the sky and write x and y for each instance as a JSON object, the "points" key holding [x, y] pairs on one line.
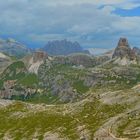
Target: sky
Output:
{"points": [[93, 23]]}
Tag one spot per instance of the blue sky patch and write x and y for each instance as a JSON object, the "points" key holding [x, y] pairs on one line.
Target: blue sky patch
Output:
{"points": [[128, 13]]}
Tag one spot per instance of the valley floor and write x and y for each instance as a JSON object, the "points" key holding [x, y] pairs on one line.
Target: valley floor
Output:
{"points": [[102, 115]]}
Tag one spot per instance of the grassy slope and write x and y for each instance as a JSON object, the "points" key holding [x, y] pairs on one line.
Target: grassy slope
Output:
{"points": [[17, 71], [19, 122], [14, 71], [29, 80]]}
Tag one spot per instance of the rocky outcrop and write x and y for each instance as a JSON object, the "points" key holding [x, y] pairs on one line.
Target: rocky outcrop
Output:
{"points": [[36, 60], [39, 56], [123, 50], [123, 53]]}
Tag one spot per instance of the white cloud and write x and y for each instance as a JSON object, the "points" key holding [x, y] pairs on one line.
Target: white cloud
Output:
{"points": [[81, 20], [125, 4], [127, 24], [94, 2]]}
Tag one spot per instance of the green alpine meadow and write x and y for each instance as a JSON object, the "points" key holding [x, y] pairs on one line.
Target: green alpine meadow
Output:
{"points": [[70, 70]]}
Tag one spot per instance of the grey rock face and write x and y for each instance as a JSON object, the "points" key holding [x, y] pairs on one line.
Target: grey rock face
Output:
{"points": [[39, 56], [123, 50]]}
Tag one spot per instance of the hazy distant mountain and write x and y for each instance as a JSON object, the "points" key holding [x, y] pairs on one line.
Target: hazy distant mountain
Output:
{"points": [[63, 47], [13, 48]]}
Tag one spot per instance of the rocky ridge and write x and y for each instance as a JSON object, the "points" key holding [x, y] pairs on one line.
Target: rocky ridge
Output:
{"points": [[12, 47]]}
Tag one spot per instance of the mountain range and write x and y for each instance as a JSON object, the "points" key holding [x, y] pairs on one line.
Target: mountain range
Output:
{"points": [[13, 48], [74, 96], [63, 47]]}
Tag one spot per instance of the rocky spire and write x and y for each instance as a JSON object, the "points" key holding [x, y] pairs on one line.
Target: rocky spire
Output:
{"points": [[123, 50]]}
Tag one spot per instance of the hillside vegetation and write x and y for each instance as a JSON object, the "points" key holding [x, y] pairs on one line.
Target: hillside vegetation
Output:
{"points": [[75, 97]]}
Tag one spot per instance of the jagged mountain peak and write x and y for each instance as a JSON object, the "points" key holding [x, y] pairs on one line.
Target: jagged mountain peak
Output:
{"points": [[123, 42], [63, 47], [123, 50], [123, 54]]}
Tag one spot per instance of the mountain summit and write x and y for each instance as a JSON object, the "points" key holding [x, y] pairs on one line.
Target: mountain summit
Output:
{"points": [[63, 47], [124, 50], [123, 53]]}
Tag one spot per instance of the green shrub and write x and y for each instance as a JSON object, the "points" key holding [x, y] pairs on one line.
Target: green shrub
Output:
{"points": [[29, 80]]}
